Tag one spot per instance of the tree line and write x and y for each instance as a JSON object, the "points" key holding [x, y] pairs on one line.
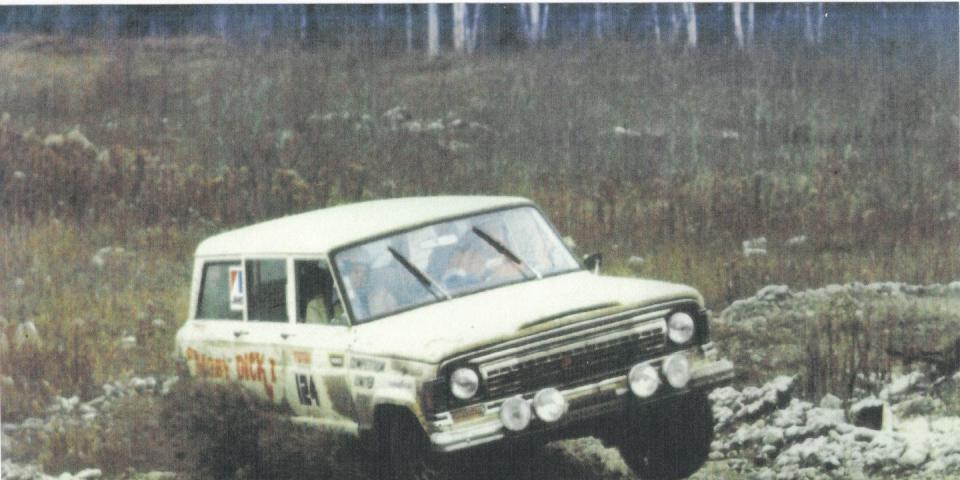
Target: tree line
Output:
{"points": [[467, 28]]}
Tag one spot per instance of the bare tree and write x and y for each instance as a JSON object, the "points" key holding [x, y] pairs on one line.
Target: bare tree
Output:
{"points": [[409, 26], [807, 24], [533, 21], [690, 12], [598, 20], [750, 24], [738, 25], [656, 23], [474, 28], [820, 17], [433, 32], [459, 27], [674, 24]]}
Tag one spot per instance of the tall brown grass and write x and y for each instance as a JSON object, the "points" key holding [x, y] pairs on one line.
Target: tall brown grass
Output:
{"points": [[857, 150]]}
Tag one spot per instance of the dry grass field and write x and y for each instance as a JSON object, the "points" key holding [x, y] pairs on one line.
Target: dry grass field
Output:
{"points": [[117, 158]]}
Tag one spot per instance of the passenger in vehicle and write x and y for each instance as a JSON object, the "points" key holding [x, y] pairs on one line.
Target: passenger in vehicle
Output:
{"points": [[355, 272], [325, 308]]}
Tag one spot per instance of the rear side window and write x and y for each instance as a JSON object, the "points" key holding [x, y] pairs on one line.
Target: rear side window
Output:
{"points": [[221, 281], [267, 290]]}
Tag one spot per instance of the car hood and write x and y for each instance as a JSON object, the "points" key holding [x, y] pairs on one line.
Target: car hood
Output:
{"points": [[440, 330]]}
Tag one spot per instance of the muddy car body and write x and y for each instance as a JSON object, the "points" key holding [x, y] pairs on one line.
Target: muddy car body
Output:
{"points": [[427, 326]]}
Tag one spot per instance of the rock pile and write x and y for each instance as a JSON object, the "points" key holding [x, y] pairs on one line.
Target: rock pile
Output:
{"points": [[783, 438], [62, 413]]}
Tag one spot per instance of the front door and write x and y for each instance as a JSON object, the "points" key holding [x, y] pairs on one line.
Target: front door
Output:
{"points": [[316, 377]]}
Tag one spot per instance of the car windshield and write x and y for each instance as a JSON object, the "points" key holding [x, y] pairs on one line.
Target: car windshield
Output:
{"points": [[449, 259]]}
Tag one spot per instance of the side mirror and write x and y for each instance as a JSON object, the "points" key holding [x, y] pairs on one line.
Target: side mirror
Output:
{"points": [[593, 261]]}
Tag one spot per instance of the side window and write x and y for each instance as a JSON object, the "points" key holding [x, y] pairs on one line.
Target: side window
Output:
{"points": [[219, 281], [317, 299], [267, 290]]}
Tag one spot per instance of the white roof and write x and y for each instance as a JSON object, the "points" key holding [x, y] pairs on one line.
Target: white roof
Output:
{"points": [[320, 231]]}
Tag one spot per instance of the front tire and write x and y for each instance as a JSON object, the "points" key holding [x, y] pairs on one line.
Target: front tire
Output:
{"points": [[670, 444], [404, 451]]}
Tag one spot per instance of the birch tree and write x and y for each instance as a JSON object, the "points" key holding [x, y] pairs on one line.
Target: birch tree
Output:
{"points": [[738, 25], [472, 34], [465, 27], [691, 16], [433, 32], [459, 27], [820, 17], [674, 24], [750, 25], [807, 24], [656, 23], [533, 21], [409, 26], [598, 20]]}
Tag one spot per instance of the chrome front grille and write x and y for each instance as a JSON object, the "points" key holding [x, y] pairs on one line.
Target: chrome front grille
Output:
{"points": [[579, 362]]}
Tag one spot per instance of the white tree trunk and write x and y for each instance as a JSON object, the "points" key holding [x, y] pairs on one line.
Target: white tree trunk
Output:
{"points": [[474, 28], [459, 27], [674, 24], [691, 14], [542, 35], [598, 20], [533, 21], [820, 17], [750, 25], [738, 25], [409, 26], [807, 24], [433, 32], [656, 24]]}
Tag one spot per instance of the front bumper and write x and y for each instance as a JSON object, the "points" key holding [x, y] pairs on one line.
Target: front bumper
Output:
{"points": [[480, 424]]}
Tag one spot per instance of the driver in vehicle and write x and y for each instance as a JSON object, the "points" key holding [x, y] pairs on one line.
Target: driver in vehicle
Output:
{"points": [[476, 261]]}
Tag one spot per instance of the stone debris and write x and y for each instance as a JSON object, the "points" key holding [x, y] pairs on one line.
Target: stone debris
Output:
{"points": [[635, 263], [26, 334], [64, 412], [797, 440], [796, 241], [755, 247], [108, 255]]}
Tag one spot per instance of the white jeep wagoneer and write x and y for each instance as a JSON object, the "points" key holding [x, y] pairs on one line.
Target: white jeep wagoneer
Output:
{"points": [[431, 325]]}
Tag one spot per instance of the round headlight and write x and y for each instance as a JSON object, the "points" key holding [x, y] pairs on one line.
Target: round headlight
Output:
{"points": [[680, 327], [464, 383], [549, 405], [677, 370], [644, 380], [515, 413]]}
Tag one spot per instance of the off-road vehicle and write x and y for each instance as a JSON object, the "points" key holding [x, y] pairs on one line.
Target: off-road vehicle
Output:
{"points": [[427, 326]]}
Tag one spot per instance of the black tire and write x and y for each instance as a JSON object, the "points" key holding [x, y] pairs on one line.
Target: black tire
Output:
{"points": [[670, 444], [404, 452]]}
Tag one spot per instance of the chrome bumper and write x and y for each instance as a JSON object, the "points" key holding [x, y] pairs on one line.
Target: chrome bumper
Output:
{"points": [[480, 423]]}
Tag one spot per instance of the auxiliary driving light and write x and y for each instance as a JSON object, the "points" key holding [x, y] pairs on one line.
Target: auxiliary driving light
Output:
{"points": [[644, 380], [515, 413], [677, 370], [549, 405], [680, 328]]}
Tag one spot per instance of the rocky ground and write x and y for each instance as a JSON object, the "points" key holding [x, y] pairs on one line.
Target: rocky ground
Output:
{"points": [[903, 425]]}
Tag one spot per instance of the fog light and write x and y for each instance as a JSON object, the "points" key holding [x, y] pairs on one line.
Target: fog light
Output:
{"points": [[677, 370], [644, 380], [515, 413], [549, 405]]}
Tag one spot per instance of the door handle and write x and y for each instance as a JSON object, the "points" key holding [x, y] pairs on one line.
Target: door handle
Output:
{"points": [[239, 333], [286, 335]]}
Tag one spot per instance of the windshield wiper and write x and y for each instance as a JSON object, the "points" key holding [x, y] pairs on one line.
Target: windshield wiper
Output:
{"points": [[433, 287], [503, 250]]}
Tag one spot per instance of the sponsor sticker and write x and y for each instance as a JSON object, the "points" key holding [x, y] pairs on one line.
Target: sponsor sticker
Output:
{"points": [[236, 289]]}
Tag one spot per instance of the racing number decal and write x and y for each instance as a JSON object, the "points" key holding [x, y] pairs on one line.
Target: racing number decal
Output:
{"points": [[307, 390]]}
